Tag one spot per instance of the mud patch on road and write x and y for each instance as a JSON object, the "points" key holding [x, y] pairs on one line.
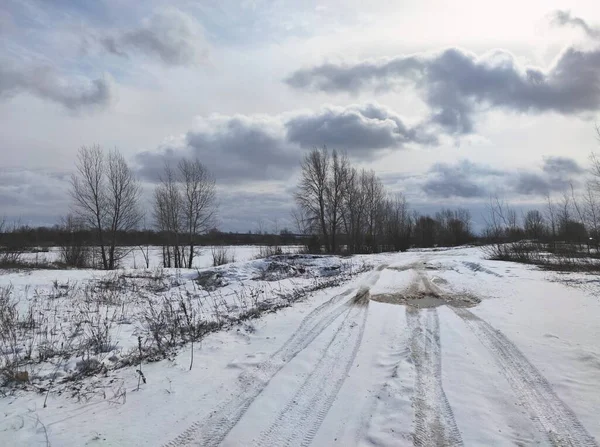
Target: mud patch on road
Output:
{"points": [[361, 298], [424, 292]]}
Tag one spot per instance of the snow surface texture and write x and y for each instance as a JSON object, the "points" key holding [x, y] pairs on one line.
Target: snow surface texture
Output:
{"points": [[426, 348], [134, 257]]}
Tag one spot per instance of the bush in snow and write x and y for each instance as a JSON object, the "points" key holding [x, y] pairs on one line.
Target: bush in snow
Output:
{"points": [[221, 255], [9, 346]]}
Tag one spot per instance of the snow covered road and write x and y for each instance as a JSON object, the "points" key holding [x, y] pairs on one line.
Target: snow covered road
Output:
{"points": [[430, 348], [297, 419]]}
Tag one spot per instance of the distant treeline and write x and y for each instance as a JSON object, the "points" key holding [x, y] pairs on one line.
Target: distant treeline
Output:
{"points": [[30, 237]]}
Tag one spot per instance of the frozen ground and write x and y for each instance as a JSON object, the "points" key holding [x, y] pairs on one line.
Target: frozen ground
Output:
{"points": [[425, 348], [134, 256]]}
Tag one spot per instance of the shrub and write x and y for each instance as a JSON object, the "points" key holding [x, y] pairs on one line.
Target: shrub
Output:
{"points": [[265, 251], [522, 251], [564, 258], [75, 255], [9, 324], [221, 255], [313, 244]]}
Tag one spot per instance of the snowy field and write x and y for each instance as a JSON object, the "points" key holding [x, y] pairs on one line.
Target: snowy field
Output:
{"points": [[429, 347], [135, 259]]}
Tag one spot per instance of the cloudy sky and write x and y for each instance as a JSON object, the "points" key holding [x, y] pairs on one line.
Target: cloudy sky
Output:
{"points": [[449, 102]]}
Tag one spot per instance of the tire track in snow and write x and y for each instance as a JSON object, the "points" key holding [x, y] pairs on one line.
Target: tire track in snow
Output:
{"points": [[434, 424], [381, 423], [552, 415], [212, 429], [299, 421]]}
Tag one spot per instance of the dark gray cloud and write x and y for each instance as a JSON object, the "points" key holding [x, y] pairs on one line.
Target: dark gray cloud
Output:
{"points": [[561, 166], [531, 184], [557, 174], [564, 18], [237, 149], [466, 179], [249, 148], [456, 84], [246, 148], [334, 78], [172, 36], [360, 130], [150, 164], [463, 179], [33, 196], [45, 83]]}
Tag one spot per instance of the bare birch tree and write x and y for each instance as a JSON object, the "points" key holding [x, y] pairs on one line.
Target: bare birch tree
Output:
{"points": [[184, 206], [167, 214], [123, 192], [89, 194], [334, 192], [105, 196], [353, 210], [311, 196], [373, 202], [199, 201]]}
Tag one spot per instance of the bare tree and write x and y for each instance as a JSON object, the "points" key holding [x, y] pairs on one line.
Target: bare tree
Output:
{"points": [[534, 224], [512, 220], [591, 211], [334, 193], [167, 214], [501, 221], [105, 196], [89, 193], [398, 223], [564, 213], [353, 209], [311, 196], [11, 246], [454, 226], [199, 201], [373, 203], [301, 221], [464, 216], [184, 206], [122, 200], [592, 194]]}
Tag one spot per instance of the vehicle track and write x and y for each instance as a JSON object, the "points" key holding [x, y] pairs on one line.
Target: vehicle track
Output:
{"points": [[212, 429], [434, 420], [393, 393], [475, 267], [553, 416], [299, 421]]}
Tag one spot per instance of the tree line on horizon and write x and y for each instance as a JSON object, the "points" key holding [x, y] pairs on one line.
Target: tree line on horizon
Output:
{"points": [[339, 209]]}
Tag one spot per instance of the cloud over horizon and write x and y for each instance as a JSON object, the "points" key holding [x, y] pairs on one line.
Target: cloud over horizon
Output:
{"points": [[465, 179], [457, 84], [249, 148], [45, 83], [359, 129]]}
